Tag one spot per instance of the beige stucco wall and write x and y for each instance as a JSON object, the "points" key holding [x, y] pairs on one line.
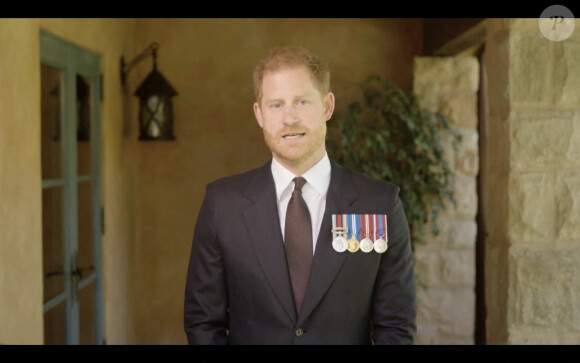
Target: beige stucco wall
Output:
{"points": [[152, 190], [20, 194]]}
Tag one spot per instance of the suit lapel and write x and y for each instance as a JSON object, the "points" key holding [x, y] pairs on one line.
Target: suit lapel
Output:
{"points": [[327, 261], [263, 224]]}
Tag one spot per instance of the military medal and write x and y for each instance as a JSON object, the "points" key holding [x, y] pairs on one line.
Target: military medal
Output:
{"points": [[366, 245], [353, 244], [380, 244], [339, 243]]}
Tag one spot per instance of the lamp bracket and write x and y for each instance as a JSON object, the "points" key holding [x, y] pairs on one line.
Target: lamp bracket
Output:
{"points": [[126, 67]]}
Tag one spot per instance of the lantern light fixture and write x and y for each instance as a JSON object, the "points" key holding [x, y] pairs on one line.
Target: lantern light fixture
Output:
{"points": [[155, 93]]}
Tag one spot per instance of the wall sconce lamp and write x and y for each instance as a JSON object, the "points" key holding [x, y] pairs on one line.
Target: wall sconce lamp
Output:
{"points": [[155, 93]]}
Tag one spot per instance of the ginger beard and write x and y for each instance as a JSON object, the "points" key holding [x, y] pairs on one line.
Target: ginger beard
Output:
{"points": [[295, 146]]}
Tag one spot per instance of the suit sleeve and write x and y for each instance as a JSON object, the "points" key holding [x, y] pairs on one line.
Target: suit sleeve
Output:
{"points": [[394, 309], [205, 308]]}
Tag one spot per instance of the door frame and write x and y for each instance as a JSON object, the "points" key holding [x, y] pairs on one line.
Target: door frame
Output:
{"points": [[72, 60]]}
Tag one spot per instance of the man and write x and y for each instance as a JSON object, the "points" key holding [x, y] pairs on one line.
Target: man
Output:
{"points": [[242, 285]]}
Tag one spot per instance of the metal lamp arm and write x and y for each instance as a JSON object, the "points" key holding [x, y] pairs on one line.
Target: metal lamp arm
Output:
{"points": [[126, 67]]}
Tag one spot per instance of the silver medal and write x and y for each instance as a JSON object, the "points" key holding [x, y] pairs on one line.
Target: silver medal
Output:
{"points": [[380, 245], [339, 244], [366, 245]]}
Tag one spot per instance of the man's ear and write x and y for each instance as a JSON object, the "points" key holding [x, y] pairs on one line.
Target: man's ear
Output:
{"points": [[258, 114], [328, 105]]}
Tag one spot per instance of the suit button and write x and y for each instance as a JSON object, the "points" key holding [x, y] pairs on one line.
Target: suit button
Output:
{"points": [[299, 332]]}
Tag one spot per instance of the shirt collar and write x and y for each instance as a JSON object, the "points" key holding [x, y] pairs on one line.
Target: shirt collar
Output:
{"points": [[318, 176]]}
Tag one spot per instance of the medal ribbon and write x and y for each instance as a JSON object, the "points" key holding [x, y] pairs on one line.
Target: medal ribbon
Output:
{"points": [[368, 225], [364, 226], [375, 231], [349, 227], [336, 224], [381, 231], [385, 217]]}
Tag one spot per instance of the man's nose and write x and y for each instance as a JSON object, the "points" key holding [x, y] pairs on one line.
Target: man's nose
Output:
{"points": [[290, 115]]}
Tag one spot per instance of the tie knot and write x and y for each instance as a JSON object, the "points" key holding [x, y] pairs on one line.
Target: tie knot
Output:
{"points": [[299, 183]]}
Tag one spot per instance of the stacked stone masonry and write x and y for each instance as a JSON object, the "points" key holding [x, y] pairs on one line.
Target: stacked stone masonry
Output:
{"points": [[544, 187], [445, 264]]}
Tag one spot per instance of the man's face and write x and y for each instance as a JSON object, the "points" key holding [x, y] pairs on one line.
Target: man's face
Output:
{"points": [[293, 116]]}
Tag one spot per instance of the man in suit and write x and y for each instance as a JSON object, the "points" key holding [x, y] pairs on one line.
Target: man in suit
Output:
{"points": [[242, 286]]}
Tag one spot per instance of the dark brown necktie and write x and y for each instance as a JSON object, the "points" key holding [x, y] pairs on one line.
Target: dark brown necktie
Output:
{"points": [[298, 242]]}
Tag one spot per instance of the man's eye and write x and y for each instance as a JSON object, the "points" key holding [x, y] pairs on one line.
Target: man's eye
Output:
{"points": [[276, 105]]}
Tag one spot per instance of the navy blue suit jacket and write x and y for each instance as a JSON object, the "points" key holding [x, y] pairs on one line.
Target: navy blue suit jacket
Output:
{"points": [[238, 287]]}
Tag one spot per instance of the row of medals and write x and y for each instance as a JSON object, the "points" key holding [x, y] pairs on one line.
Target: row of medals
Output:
{"points": [[341, 244]]}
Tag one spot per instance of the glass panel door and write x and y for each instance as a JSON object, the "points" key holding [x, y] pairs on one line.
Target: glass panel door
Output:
{"points": [[55, 281], [71, 218]]}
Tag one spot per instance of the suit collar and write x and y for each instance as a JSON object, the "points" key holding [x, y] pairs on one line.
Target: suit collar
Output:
{"points": [[259, 183], [263, 228]]}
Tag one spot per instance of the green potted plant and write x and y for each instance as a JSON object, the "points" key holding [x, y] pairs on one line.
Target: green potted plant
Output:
{"points": [[388, 135]]}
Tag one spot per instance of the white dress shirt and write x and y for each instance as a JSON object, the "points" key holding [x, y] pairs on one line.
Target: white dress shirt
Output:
{"points": [[313, 192]]}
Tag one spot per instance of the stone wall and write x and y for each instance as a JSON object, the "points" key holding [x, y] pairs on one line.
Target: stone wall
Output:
{"points": [[543, 186], [531, 192], [445, 264]]}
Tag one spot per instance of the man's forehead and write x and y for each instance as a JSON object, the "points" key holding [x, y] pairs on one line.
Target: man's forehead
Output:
{"points": [[280, 71], [275, 79]]}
